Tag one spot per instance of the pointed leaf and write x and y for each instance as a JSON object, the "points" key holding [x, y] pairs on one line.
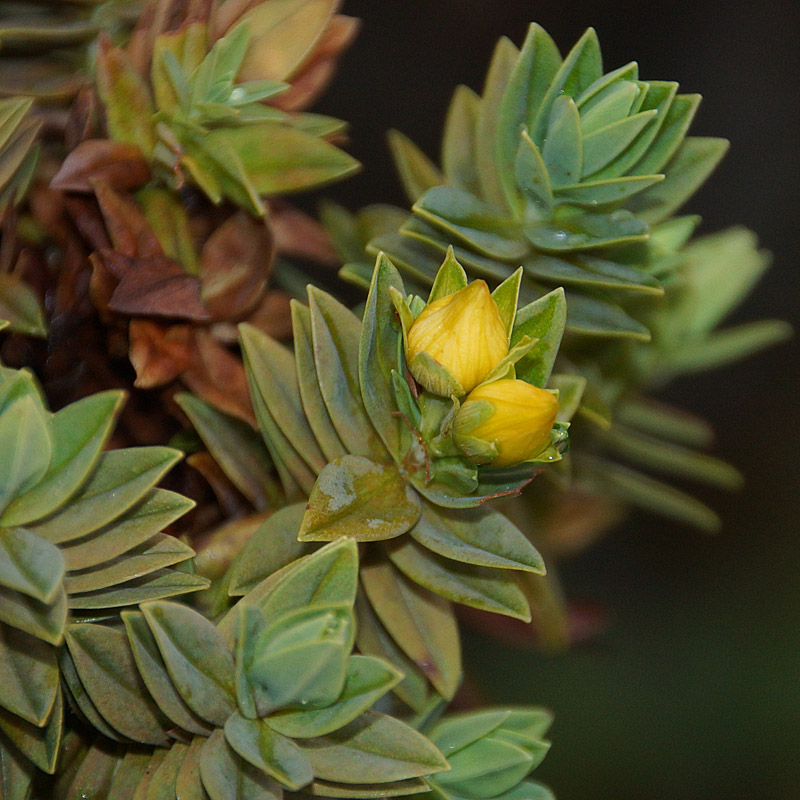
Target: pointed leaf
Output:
{"points": [[367, 680], [79, 433], [563, 147], [375, 748], [420, 622], [226, 776], [480, 536], [106, 668], [234, 445], [356, 497], [336, 333], [268, 751], [197, 658], [381, 338], [416, 171], [30, 675], [479, 587], [120, 480], [30, 564], [543, 320]]}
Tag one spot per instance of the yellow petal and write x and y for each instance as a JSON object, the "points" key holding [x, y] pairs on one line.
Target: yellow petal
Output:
{"points": [[520, 422], [463, 332]]}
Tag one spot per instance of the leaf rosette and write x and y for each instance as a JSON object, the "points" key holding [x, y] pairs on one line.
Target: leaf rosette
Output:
{"points": [[269, 700], [81, 536]]}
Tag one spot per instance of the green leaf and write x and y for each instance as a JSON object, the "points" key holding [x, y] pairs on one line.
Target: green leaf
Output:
{"points": [[537, 65], [30, 564], [20, 307], [327, 577], [39, 744], [279, 159], [313, 402], [79, 433], [162, 786], [26, 446], [579, 70], [595, 317], [544, 320], [647, 493], [356, 497], [156, 554], [234, 447], [155, 586], [336, 333], [121, 479], [273, 546], [506, 296], [480, 536], [30, 675], [298, 660], [671, 133], [459, 149], [226, 776], [585, 271], [43, 620], [374, 640], [686, 171], [375, 748], [197, 658], [420, 622], [604, 145], [471, 221], [416, 171], [268, 751], [608, 191], [490, 122], [479, 587], [296, 476], [531, 174], [562, 151], [274, 367], [370, 791], [16, 773], [189, 783], [672, 459], [381, 340], [80, 702], [159, 509], [106, 667], [731, 344], [156, 678], [489, 766], [665, 422], [94, 775], [367, 680]]}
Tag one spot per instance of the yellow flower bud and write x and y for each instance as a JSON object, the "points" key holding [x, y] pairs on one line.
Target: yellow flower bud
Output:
{"points": [[505, 422], [463, 333]]}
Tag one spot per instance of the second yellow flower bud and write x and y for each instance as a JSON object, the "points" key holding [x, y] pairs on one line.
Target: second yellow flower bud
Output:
{"points": [[505, 422]]}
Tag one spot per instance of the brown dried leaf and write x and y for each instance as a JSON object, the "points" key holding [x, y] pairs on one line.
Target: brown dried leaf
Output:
{"points": [[128, 227], [315, 74], [301, 236], [234, 266], [217, 376], [273, 315], [84, 119], [159, 353], [119, 165], [155, 286]]}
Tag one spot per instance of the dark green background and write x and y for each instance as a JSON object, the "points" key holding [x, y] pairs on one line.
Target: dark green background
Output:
{"points": [[695, 690]]}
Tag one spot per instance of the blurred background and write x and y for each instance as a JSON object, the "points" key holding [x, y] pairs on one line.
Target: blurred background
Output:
{"points": [[694, 691]]}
